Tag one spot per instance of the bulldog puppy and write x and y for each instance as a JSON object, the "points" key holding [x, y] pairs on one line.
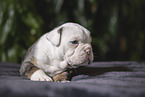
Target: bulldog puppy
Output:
{"points": [[67, 46]]}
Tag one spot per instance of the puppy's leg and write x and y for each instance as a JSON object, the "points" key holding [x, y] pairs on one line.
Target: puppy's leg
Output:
{"points": [[61, 77], [30, 70], [39, 75]]}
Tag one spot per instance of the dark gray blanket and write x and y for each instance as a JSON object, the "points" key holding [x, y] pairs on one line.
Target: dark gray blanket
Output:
{"points": [[101, 79]]}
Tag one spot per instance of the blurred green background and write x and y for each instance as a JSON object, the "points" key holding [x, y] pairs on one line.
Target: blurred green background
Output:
{"points": [[117, 26]]}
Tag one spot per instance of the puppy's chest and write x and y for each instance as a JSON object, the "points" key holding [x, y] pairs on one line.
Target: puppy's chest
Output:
{"points": [[54, 67]]}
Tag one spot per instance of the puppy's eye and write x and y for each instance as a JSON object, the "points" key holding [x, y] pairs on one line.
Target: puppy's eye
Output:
{"points": [[74, 42]]}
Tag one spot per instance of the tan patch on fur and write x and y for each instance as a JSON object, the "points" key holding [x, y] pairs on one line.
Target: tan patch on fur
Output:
{"points": [[33, 68], [33, 61], [61, 77], [29, 73]]}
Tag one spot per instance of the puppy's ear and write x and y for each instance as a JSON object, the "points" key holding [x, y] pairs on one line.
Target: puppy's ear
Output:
{"points": [[55, 36]]}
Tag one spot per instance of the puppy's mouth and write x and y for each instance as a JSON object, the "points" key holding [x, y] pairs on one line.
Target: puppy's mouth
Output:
{"points": [[85, 63]]}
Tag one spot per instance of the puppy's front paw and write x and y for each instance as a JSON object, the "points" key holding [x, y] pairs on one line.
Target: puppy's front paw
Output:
{"points": [[61, 77], [39, 75]]}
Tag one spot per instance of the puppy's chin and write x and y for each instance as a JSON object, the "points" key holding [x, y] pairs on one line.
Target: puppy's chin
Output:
{"points": [[75, 62], [78, 65]]}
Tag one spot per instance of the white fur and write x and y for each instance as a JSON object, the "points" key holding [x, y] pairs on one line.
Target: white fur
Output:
{"points": [[53, 59], [39, 75]]}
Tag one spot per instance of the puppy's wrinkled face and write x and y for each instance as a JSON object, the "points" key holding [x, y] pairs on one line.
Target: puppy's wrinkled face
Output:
{"points": [[76, 43]]}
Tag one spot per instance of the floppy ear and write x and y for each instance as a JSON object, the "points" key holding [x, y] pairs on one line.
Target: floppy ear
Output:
{"points": [[55, 36]]}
